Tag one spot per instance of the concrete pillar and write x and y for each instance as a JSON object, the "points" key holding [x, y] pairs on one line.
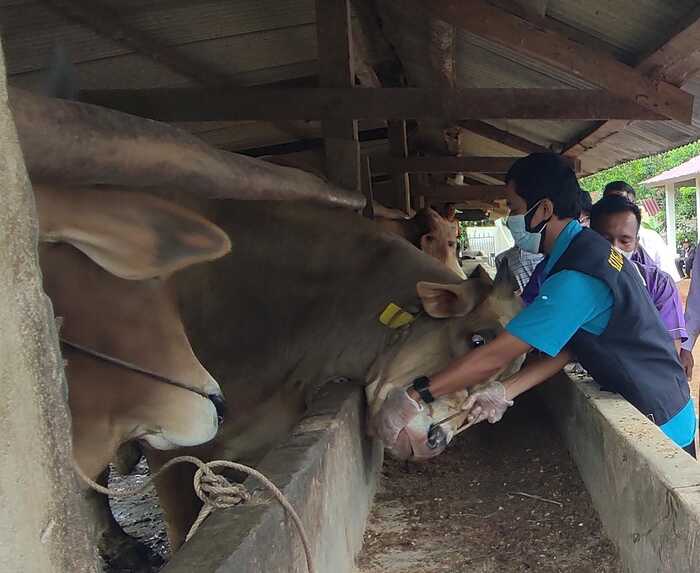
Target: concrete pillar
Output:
{"points": [[42, 527], [697, 204], [671, 216]]}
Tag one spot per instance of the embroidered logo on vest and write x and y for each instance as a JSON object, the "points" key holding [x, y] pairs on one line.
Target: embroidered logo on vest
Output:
{"points": [[616, 260]]}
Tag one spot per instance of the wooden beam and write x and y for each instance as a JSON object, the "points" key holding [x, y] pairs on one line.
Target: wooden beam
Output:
{"points": [[673, 61], [677, 58], [454, 193], [234, 104], [594, 136], [336, 70], [500, 136], [398, 144], [107, 22], [447, 164], [599, 68]]}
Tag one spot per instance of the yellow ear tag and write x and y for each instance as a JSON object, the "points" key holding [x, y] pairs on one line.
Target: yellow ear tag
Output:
{"points": [[394, 316]]}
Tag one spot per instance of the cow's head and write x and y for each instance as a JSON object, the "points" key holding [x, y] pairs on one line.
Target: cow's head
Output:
{"points": [[105, 257], [439, 239], [470, 314]]}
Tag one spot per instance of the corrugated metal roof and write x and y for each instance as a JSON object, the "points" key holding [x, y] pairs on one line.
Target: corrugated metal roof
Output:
{"points": [[266, 41]]}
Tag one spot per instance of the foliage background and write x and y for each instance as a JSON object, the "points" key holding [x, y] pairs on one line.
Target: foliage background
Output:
{"points": [[634, 172]]}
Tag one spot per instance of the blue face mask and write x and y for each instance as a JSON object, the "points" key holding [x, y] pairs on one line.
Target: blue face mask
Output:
{"points": [[518, 226]]}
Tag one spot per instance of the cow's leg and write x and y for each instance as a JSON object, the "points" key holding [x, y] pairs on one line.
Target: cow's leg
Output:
{"points": [[118, 549]]}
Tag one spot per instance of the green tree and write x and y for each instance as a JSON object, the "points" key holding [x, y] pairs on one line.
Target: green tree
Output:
{"points": [[634, 172]]}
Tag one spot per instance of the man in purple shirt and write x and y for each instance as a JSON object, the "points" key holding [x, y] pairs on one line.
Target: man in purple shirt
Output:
{"points": [[618, 220]]}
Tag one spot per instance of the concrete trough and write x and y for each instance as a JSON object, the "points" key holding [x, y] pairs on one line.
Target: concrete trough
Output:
{"points": [[328, 469], [645, 489]]}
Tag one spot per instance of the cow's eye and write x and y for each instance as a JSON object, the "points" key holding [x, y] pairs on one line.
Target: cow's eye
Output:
{"points": [[477, 340]]}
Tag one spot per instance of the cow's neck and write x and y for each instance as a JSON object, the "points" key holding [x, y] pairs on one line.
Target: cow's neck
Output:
{"points": [[298, 299]]}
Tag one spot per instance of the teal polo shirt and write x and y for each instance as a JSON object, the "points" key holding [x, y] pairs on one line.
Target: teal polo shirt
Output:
{"points": [[569, 300]]}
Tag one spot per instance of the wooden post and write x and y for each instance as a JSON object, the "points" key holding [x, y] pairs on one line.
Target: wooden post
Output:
{"points": [[368, 211], [398, 144], [42, 527], [336, 71], [671, 216]]}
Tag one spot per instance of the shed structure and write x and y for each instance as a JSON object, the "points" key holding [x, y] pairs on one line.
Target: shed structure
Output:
{"points": [[402, 95]]}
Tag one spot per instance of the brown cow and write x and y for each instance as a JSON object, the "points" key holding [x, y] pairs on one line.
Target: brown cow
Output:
{"points": [[103, 256], [276, 323], [431, 233]]}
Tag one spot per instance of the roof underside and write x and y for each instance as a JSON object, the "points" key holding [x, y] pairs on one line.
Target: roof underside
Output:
{"points": [[257, 42]]}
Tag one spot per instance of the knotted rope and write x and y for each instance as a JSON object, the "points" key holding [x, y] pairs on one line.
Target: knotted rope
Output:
{"points": [[215, 491]]}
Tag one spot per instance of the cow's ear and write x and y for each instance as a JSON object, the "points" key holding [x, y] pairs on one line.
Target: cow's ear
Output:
{"points": [[447, 300], [132, 235], [480, 273], [505, 285]]}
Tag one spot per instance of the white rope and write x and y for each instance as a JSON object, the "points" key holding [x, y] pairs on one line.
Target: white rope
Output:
{"points": [[215, 491]]}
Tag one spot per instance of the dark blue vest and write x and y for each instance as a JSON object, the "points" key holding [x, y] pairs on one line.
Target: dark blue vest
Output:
{"points": [[635, 355]]}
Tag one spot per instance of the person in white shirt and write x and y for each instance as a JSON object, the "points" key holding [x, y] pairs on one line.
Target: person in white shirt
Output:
{"points": [[653, 248]]}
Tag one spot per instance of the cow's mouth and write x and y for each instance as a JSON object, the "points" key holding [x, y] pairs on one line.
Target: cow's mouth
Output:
{"points": [[220, 405], [421, 440]]}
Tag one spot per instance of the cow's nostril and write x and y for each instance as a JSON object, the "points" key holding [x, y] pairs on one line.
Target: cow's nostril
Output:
{"points": [[436, 437], [220, 405]]}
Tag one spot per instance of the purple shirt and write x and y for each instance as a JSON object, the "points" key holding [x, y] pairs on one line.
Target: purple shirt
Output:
{"points": [[661, 288], [666, 298], [532, 288]]}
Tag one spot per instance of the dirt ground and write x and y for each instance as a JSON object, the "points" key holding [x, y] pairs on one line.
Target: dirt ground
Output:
{"points": [[465, 510]]}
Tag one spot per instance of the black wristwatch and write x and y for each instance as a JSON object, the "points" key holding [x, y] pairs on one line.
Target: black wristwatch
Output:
{"points": [[421, 385]]}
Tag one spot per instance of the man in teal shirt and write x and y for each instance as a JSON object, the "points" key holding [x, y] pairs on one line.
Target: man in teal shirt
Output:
{"points": [[591, 303]]}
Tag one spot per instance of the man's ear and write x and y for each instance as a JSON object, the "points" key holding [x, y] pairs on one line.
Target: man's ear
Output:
{"points": [[448, 300], [132, 235]]}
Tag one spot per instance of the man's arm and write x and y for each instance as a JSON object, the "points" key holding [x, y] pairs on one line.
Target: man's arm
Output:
{"points": [[490, 401], [692, 323], [692, 311], [478, 366], [535, 373]]}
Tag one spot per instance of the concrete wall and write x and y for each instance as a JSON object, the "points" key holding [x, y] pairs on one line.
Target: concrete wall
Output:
{"points": [[328, 469], [41, 528], [645, 489]]}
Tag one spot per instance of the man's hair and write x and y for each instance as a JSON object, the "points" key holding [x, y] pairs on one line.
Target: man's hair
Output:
{"points": [[615, 187], [611, 205], [585, 201], [547, 176]]}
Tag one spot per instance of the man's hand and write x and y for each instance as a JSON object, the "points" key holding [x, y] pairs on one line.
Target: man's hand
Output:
{"points": [[396, 413], [487, 402], [687, 362]]}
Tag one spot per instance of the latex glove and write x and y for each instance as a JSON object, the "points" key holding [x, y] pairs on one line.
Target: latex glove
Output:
{"points": [[487, 402], [397, 411], [687, 362]]}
